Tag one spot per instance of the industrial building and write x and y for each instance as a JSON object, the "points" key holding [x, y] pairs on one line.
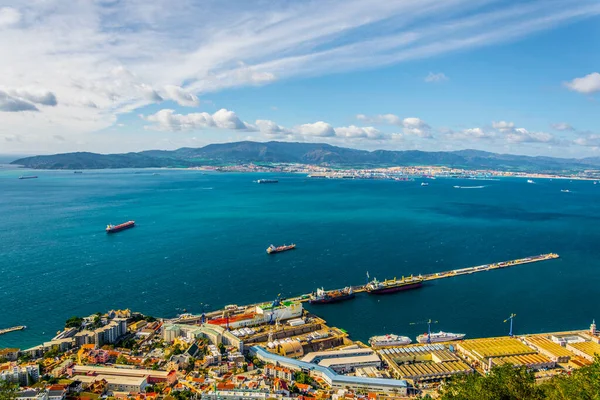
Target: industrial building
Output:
{"points": [[550, 349], [130, 384], [344, 360], [587, 350], [332, 378], [214, 333], [423, 363]]}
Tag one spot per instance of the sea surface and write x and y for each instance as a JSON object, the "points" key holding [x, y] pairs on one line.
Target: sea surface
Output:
{"points": [[200, 239]]}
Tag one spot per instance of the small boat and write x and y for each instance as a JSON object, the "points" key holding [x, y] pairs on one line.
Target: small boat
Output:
{"points": [[530, 181], [267, 181], [78, 172], [272, 249], [117, 228], [28, 177], [565, 190], [424, 184]]}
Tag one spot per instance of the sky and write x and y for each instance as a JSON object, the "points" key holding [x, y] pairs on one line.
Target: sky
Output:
{"points": [[111, 76]]}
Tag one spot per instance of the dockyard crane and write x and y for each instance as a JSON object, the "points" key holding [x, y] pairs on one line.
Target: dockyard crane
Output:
{"points": [[512, 316]]}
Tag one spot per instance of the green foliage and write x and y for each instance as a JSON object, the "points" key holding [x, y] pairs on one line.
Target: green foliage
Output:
{"points": [[583, 384], [54, 352], [302, 377], [502, 383], [509, 383], [222, 348], [8, 390], [149, 318], [121, 360], [182, 395], [74, 322]]}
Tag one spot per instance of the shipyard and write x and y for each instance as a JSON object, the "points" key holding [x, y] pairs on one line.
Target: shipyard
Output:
{"points": [[279, 349]]}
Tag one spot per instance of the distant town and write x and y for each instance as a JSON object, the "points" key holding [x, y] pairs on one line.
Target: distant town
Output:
{"points": [[406, 173]]}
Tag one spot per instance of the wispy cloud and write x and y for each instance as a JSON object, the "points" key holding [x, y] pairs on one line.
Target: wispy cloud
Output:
{"points": [[121, 56], [436, 78]]}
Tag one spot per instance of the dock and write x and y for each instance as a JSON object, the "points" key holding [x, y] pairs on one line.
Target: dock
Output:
{"points": [[191, 319], [14, 328], [461, 271]]}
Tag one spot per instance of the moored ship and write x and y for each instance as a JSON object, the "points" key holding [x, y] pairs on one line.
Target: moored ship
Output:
{"points": [[392, 286], [439, 337], [272, 249], [322, 296], [116, 228], [267, 181], [389, 340], [28, 177]]}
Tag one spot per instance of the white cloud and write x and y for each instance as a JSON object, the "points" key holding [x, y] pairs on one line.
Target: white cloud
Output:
{"points": [[433, 78], [320, 129], [180, 95], [271, 128], [522, 135], [503, 126], [588, 84], [353, 132], [380, 119], [10, 103], [9, 17], [168, 120], [411, 125], [591, 140], [562, 126], [470, 134], [42, 97], [104, 58]]}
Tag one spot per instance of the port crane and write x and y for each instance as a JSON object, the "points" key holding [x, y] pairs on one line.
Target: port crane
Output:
{"points": [[428, 322], [510, 318]]}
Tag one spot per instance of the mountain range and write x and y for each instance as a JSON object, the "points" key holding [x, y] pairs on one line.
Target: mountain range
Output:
{"points": [[305, 153]]}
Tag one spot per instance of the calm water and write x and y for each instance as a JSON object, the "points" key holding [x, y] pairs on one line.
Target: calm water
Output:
{"points": [[200, 239]]}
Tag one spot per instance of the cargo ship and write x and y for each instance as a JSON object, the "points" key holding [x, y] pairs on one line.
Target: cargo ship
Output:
{"points": [[323, 297], [267, 181], [28, 177], [389, 340], [439, 337], [272, 249], [393, 286], [116, 228]]}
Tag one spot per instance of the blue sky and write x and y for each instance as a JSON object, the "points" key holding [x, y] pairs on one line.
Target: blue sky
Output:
{"points": [[114, 76]]}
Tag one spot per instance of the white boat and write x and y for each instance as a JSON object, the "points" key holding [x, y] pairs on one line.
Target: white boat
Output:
{"points": [[565, 190], [530, 181], [440, 337], [424, 184], [389, 340]]}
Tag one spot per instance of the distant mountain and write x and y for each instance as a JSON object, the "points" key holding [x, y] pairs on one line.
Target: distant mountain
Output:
{"points": [[305, 153]]}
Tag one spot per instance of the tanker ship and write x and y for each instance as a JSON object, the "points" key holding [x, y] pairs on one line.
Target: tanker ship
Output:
{"points": [[116, 228], [392, 286], [333, 296], [272, 249]]}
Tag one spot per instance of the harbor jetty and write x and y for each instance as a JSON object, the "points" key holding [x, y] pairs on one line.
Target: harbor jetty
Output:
{"points": [[14, 328]]}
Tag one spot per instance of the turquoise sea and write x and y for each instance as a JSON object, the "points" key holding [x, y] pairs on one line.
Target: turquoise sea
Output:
{"points": [[200, 239]]}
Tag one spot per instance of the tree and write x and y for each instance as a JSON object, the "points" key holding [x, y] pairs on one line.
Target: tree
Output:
{"points": [[8, 390], [583, 384], [74, 322], [222, 348], [121, 359], [302, 377], [502, 383]]}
